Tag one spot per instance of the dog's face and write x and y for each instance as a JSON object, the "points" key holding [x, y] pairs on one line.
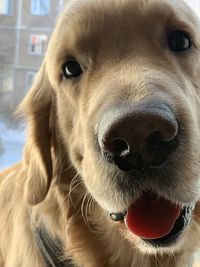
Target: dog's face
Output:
{"points": [[125, 75]]}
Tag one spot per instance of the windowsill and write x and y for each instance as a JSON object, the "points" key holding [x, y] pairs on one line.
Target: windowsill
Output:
{"points": [[6, 15], [40, 15]]}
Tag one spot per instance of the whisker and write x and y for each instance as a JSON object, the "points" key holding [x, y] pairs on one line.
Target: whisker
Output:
{"points": [[86, 207], [83, 205], [75, 182]]}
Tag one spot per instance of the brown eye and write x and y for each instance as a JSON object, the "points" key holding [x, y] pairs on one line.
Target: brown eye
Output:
{"points": [[179, 41], [72, 69]]}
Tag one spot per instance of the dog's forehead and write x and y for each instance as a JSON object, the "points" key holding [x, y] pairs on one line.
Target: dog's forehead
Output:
{"points": [[95, 13], [84, 18], [88, 26]]}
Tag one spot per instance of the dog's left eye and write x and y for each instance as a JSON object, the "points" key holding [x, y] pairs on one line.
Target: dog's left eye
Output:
{"points": [[72, 69], [179, 41]]}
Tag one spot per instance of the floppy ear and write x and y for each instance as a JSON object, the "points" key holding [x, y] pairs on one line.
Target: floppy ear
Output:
{"points": [[37, 109]]}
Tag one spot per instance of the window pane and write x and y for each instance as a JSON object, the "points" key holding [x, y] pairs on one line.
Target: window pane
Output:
{"points": [[60, 5], [40, 7], [5, 7], [29, 78], [195, 4], [6, 78], [38, 44]]}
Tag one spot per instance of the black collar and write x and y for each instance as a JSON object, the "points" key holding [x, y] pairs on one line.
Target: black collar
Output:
{"points": [[51, 248]]}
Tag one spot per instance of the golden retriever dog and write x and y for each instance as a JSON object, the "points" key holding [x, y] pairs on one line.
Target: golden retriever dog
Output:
{"points": [[110, 172]]}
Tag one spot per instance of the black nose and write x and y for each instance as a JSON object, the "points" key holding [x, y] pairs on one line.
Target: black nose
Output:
{"points": [[140, 136]]}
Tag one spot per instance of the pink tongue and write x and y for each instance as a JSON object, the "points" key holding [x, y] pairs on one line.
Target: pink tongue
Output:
{"points": [[152, 217]]}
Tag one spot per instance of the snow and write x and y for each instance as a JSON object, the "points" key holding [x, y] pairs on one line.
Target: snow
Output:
{"points": [[11, 144]]}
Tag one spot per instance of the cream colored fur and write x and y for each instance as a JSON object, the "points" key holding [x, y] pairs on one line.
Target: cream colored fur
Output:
{"points": [[62, 178]]}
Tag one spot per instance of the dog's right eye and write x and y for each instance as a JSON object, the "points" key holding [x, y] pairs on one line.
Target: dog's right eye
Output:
{"points": [[72, 69], [179, 41]]}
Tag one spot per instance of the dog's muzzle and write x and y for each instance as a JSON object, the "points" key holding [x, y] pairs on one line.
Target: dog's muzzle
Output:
{"points": [[141, 137]]}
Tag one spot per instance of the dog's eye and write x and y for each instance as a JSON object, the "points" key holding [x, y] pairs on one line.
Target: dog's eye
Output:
{"points": [[179, 41], [72, 69]]}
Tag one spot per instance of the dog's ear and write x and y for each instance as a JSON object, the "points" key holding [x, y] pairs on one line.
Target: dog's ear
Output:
{"points": [[37, 110]]}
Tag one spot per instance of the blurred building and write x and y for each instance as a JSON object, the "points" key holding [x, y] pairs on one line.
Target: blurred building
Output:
{"points": [[25, 28]]}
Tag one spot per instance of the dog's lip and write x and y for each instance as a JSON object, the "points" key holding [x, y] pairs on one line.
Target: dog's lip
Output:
{"points": [[181, 223], [118, 216]]}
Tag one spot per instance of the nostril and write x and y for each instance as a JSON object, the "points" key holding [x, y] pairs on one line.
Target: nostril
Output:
{"points": [[118, 151], [157, 150], [120, 148], [155, 140]]}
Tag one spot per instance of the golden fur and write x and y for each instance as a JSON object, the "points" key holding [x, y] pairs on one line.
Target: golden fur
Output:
{"points": [[62, 178]]}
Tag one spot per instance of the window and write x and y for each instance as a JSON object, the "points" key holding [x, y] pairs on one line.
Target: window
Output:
{"points": [[5, 7], [60, 5], [6, 78], [30, 78], [20, 57], [40, 7], [38, 44], [195, 5]]}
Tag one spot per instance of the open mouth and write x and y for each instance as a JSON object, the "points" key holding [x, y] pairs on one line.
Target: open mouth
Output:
{"points": [[175, 232], [155, 220]]}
